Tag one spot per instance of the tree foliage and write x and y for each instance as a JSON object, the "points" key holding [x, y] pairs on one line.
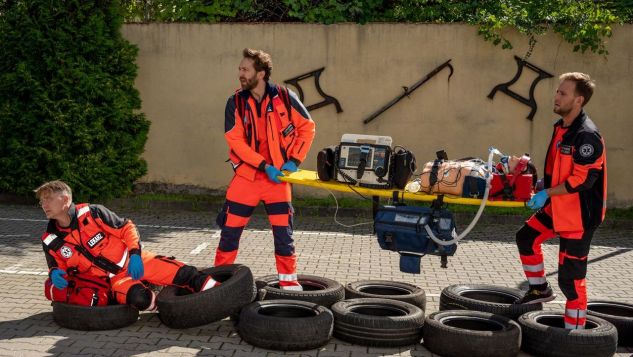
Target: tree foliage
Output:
{"points": [[68, 106], [584, 23]]}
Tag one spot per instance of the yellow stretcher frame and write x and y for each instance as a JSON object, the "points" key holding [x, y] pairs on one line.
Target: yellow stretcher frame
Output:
{"points": [[311, 179]]}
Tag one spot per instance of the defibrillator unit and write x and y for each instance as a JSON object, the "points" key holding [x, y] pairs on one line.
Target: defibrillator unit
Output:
{"points": [[367, 161], [364, 160]]}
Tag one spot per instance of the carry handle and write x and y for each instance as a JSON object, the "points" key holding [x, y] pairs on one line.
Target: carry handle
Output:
{"points": [[360, 170]]}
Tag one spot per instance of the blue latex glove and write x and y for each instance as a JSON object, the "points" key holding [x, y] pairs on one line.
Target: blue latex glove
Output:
{"points": [[537, 201], [273, 172], [135, 267], [57, 276], [290, 166]]}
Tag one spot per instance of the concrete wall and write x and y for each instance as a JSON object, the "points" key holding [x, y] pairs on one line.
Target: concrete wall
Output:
{"points": [[187, 71]]}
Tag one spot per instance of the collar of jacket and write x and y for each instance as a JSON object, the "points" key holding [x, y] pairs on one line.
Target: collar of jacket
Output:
{"points": [[74, 224], [72, 212], [575, 125]]}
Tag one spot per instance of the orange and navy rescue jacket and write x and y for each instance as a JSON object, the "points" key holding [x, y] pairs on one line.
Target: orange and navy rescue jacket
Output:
{"points": [[289, 129], [579, 162], [97, 242]]}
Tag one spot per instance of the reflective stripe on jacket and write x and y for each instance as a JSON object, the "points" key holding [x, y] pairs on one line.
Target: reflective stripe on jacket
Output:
{"points": [[289, 135], [580, 163]]}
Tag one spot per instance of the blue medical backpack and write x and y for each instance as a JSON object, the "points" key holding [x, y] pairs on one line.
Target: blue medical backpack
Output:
{"points": [[401, 229]]}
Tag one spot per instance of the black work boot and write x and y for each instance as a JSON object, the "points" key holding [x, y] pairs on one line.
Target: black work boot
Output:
{"points": [[534, 295]]}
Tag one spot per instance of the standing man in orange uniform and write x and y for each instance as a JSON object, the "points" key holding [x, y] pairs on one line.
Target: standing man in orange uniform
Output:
{"points": [[573, 203], [268, 130]]}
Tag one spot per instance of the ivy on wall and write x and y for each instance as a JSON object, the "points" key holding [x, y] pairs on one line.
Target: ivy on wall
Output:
{"points": [[584, 23], [68, 106]]}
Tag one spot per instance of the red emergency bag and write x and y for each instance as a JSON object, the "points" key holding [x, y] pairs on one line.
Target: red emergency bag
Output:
{"points": [[86, 290], [514, 179]]}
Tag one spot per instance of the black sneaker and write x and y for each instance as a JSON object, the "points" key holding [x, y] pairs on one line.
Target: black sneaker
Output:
{"points": [[534, 296]]}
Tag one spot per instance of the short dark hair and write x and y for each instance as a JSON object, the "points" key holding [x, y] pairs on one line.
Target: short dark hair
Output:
{"points": [[261, 61], [584, 84]]}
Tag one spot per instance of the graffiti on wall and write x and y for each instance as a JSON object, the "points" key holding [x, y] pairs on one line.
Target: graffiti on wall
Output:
{"points": [[505, 87], [327, 99], [408, 91]]}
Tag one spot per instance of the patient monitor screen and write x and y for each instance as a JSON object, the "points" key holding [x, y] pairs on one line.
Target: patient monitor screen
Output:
{"points": [[375, 158]]}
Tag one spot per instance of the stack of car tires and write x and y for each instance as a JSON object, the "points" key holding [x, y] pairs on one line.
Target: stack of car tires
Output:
{"points": [[474, 319], [374, 313], [483, 320], [290, 320]]}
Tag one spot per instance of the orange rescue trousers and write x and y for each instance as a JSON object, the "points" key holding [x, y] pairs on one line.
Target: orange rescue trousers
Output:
{"points": [[572, 262], [242, 196]]}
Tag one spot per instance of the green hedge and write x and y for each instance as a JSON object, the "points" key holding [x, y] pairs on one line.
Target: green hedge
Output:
{"points": [[68, 106], [583, 23]]}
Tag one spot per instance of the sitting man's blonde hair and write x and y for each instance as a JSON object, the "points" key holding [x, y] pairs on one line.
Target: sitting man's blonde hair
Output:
{"points": [[56, 186]]}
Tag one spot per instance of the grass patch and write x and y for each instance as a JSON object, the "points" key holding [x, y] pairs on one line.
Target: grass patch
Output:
{"points": [[181, 197], [621, 213], [343, 202]]}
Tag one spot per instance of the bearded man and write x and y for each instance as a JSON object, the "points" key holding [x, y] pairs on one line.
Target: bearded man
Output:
{"points": [[268, 130], [573, 203]]}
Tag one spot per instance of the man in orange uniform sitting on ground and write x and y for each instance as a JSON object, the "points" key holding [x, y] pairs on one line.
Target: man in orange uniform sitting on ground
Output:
{"points": [[571, 206], [268, 130], [86, 242]]}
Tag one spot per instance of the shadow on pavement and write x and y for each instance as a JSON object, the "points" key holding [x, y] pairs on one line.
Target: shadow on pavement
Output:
{"points": [[147, 335]]}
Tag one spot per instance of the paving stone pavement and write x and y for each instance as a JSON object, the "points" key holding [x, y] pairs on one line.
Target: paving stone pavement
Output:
{"points": [[488, 255]]}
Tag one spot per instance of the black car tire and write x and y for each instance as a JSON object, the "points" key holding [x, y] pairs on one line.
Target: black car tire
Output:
{"points": [[316, 289], [378, 322], [456, 333], [94, 318], [384, 289], [619, 314], [286, 325], [544, 334], [497, 300], [179, 308]]}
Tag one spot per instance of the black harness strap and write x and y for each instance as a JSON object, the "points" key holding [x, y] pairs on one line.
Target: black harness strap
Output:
{"points": [[434, 170], [285, 97], [99, 261]]}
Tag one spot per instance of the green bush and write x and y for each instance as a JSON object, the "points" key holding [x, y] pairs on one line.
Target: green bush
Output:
{"points": [[583, 23], [68, 106]]}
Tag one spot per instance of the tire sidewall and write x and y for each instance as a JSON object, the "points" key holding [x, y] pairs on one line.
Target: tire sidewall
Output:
{"points": [[286, 333], [416, 295], [332, 292], [94, 318]]}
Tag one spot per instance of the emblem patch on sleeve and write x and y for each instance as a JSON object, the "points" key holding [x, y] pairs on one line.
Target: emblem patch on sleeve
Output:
{"points": [[66, 252], [586, 150]]}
